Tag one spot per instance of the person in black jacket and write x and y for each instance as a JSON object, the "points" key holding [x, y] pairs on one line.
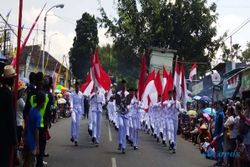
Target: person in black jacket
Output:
{"points": [[8, 139]]}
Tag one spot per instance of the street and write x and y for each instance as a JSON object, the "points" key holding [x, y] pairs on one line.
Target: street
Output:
{"points": [[150, 154]]}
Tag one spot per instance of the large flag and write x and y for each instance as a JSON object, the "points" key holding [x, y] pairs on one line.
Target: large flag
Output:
{"points": [[142, 77], [184, 94], [158, 83], [177, 83], [193, 72], [164, 78], [100, 78], [168, 87], [87, 87], [148, 90]]}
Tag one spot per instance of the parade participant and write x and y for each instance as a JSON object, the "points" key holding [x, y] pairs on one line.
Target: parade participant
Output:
{"points": [[76, 105], [121, 103], [7, 120], [97, 100], [174, 108], [135, 113]]}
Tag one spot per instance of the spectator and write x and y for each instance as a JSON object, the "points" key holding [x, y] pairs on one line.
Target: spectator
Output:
{"points": [[31, 137], [242, 160]]}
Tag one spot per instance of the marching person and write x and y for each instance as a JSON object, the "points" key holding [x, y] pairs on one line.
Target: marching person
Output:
{"points": [[77, 107], [97, 100], [122, 102]]}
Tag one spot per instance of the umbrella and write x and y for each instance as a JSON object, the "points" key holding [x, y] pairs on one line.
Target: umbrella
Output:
{"points": [[61, 101], [196, 97], [209, 111], [206, 116], [60, 87], [205, 99], [192, 113]]}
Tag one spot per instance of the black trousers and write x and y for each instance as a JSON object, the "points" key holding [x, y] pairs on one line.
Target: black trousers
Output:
{"points": [[42, 146], [6, 155]]}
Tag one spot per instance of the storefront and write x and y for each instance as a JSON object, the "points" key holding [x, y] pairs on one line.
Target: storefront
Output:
{"points": [[245, 83]]}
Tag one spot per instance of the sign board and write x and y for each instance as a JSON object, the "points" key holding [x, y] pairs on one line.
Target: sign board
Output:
{"points": [[197, 88], [245, 81], [215, 76], [159, 59]]}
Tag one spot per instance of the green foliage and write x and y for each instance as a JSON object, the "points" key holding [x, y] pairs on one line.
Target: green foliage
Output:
{"points": [[230, 54], [188, 27], [84, 44], [245, 54]]}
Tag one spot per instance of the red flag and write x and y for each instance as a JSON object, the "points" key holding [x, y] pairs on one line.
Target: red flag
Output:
{"points": [[88, 86], [100, 77], [27, 37], [148, 89], [164, 78], [158, 84], [193, 72], [184, 94], [168, 87], [143, 70]]}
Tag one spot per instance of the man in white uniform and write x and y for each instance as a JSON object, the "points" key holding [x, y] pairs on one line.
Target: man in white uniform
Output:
{"points": [[97, 100], [77, 107]]}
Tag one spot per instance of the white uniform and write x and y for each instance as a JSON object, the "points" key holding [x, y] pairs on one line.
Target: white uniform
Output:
{"points": [[77, 104], [97, 100], [136, 120]]}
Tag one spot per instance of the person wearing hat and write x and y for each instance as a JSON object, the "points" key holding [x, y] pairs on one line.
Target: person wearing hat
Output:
{"points": [[8, 139], [77, 107]]}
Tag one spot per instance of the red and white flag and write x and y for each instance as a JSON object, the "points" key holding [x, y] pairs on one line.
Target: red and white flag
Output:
{"points": [[158, 83], [100, 78], [148, 90], [164, 78], [142, 77], [87, 87], [193, 72], [177, 81], [168, 87], [184, 94]]}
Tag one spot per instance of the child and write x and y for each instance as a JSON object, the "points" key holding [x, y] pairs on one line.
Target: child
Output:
{"points": [[31, 136]]}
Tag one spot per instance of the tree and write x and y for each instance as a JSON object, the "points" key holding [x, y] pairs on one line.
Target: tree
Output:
{"points": [[84, 44], [187, 26], [245, 54], [230, 54]]}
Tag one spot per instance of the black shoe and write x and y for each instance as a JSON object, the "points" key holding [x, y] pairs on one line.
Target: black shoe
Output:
{"points": [[46, 155], [173, 151], [172, 146], [96, 144], [136, 148], [94, 140], [154, 135], [158, 140], [123, 151], [119, 146], [164, 143], [76, 144], [71, 139]]}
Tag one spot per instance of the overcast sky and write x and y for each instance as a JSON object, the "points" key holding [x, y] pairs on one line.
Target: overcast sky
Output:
{"points": [[232, 14]]}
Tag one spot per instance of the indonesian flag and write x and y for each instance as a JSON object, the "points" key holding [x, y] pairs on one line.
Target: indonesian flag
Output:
{"points": [[193, 72], [100, 77], [184, 94], [142, 77], [158, 83], [149, 90], [177, 83], [87, 87], [168, 87], [164, 77]]}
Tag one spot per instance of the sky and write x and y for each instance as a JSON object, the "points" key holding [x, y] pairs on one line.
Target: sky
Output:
{"points": [[61, 22]]}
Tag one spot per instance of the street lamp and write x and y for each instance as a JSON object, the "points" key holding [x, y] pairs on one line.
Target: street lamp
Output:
{"points": [[44, 32]]}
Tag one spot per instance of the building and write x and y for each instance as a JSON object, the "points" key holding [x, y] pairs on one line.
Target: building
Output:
{"points": [[31, 61]]}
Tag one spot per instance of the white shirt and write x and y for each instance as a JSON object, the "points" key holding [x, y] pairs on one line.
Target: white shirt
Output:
{"points": [[97, 100], [77, 101]]}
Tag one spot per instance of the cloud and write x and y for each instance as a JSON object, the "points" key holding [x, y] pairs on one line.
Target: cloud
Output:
{"points": [[103, 39]]}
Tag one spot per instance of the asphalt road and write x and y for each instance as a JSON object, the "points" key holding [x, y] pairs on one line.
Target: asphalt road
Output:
{"points": [[62, 153]]}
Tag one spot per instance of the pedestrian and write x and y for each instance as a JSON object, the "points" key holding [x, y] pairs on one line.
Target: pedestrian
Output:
{"points": [[218, 135], [31, 135], [97, 100], [86, 107], [77, 107], [8, 139]]}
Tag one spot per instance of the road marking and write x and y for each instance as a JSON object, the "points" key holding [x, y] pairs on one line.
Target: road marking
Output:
{"points": [[113, 161], [110, 135]]}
